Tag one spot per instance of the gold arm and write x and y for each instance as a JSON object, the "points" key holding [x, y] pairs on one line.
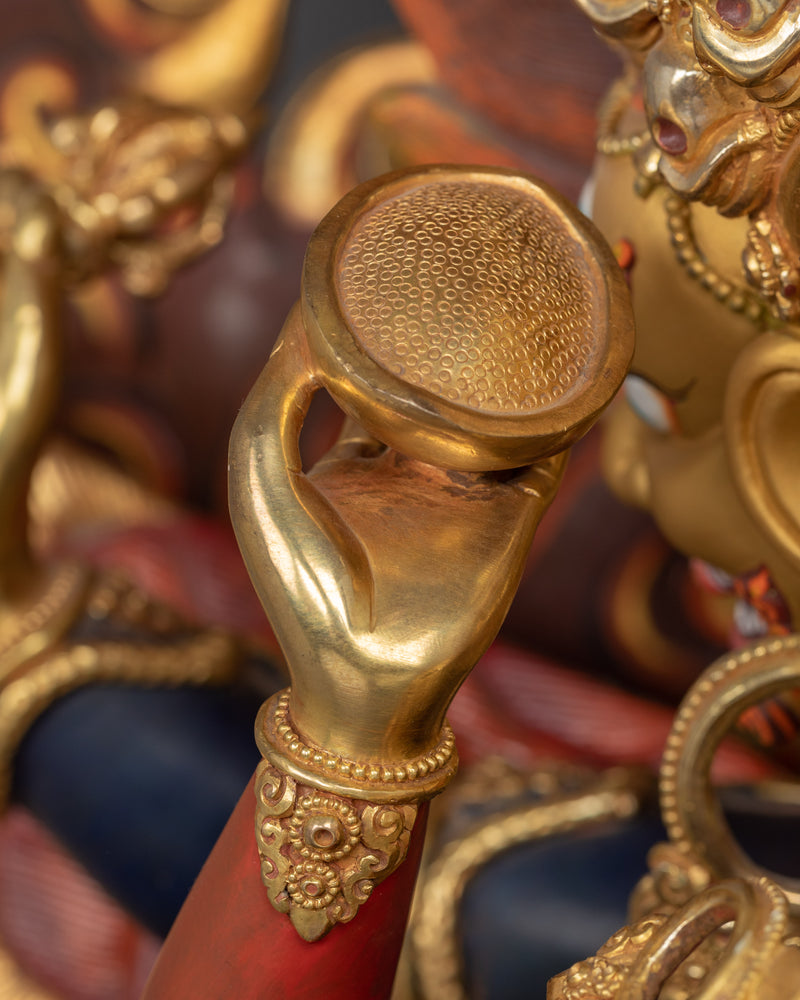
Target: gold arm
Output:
{"points": [[467, 321], [30, 352]]}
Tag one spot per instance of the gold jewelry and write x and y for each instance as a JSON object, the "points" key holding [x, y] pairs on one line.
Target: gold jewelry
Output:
{"points": [[615, 794], [407, 781], [734, 296], [609, 115], [322, 854], [695, 824], [26, 631]]}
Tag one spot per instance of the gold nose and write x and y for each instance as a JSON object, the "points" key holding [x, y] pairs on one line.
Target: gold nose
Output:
{"points": [[469, 317]]}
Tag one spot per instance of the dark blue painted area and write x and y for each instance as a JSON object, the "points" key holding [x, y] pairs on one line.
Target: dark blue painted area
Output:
{"points": [[537, 909], [138, 784]]}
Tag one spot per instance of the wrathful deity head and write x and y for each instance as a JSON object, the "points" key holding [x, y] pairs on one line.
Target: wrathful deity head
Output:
{"points": [[696, 185]]}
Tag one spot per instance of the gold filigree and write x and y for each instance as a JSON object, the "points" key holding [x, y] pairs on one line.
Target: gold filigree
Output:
{"points": [[728, 941], [322, 854]]}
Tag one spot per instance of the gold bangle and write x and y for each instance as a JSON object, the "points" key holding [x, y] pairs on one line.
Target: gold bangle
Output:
{"points": [[406, 781], [328, 828]]}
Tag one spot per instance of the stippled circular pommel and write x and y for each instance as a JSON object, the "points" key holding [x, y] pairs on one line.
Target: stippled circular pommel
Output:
{"points": [[467, 316]]}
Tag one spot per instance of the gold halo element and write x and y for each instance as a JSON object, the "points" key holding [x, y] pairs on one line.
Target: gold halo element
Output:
{"points": [[690, 808], [469, 317]]}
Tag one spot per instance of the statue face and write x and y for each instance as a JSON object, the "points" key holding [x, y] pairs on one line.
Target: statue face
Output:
{"points": [[709, 131], [706, 433]]}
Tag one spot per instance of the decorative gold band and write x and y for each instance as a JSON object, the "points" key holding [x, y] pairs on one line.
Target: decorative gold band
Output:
{"points": [[323, 854], [329, 829], [408, 781]]}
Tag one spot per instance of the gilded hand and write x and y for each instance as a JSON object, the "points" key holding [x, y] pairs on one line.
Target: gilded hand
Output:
{"points": [[384, 578]]}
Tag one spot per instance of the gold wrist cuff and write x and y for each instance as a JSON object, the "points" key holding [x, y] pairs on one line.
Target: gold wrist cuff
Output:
{"points": [[394, 782]]}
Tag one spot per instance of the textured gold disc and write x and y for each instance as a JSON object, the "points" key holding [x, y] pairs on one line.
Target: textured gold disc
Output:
{"points": [[467, 316]]}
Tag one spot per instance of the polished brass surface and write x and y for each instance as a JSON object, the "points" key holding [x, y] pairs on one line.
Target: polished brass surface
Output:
{"points": [[731, 942], [384, 576], [465, 316]]}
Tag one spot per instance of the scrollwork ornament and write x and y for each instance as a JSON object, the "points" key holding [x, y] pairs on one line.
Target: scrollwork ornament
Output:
{"points": [[674, 877], [323, 854]]}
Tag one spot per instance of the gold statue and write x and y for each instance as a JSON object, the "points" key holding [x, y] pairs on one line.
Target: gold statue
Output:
{"points": [[701, 878], [693, 954], [468, 321], [49, 240], [127, 169], [696, 185], [696, 181]]}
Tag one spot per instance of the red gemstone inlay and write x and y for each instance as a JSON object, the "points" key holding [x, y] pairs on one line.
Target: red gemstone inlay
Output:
{"points": [[670, 137], [735, 13]]}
